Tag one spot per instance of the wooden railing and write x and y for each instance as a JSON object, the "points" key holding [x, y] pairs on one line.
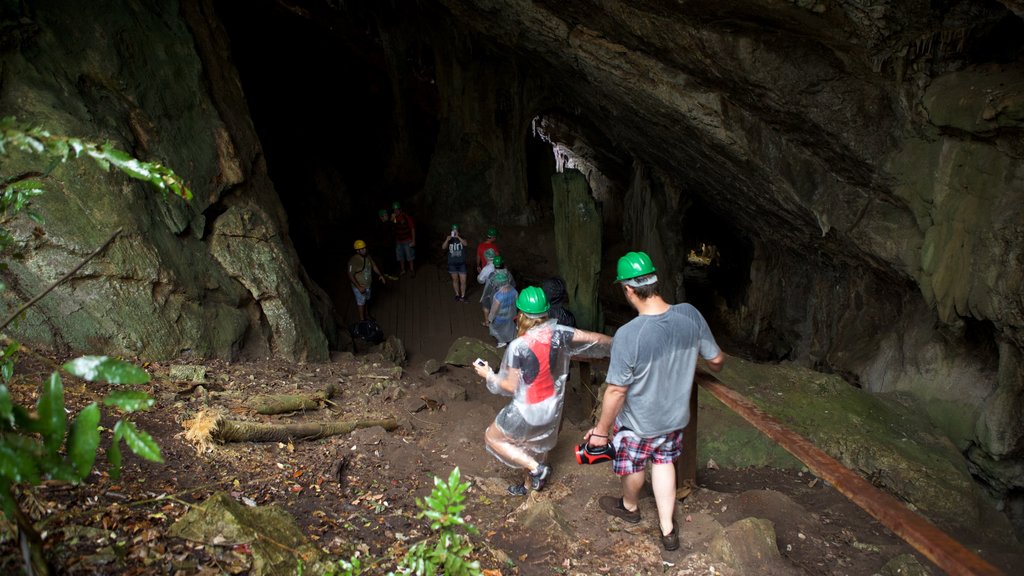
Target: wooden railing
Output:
{"points": [[945, 552]]}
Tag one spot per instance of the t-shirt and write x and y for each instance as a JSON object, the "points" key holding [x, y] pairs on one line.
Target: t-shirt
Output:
{"points": [[655, 356], [362, 269], [536, 356], [456, 252], [404, 228], [483, 247]]}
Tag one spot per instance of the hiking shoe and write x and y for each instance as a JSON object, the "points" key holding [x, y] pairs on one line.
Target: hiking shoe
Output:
{"points": [[615, 507], [517, 489], [670, 541], [458, 298], [538, 478]]}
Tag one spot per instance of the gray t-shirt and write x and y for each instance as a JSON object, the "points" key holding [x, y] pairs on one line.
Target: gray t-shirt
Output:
{"points": [[655, 357]]}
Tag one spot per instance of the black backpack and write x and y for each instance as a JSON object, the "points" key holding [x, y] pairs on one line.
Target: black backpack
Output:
{"points": [[368, 330]]}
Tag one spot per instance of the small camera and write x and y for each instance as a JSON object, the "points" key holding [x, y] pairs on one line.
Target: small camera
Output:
{"points": [[479, 362]]}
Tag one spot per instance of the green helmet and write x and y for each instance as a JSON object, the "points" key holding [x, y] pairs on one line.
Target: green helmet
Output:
{"points": [[634, 264], [501, 278], [455, 226], [395, 206], [489, 254], [492, 232], [499, 261], [532, 301], [382, 212]]}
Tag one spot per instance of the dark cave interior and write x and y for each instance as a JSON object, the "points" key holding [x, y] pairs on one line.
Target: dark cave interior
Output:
{"points": [[323, 103]]}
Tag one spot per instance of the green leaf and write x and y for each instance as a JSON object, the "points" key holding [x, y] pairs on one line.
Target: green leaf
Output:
{"points": [[114, 452], [108, 369], [140, 442], [6, 369], [53, 421], [84, 439], [19, 459], [6, 500], [6, 407], [129, 400]]}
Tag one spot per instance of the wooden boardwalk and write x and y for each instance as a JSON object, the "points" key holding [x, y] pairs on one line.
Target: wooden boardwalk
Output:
{"points": [[423, 313]]}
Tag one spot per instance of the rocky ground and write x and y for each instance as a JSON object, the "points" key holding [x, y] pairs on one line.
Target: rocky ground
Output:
{"points": [[355, 494]]}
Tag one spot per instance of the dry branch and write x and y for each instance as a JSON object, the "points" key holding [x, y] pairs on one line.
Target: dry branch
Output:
{"points": [[242, 431], [281, 403]]}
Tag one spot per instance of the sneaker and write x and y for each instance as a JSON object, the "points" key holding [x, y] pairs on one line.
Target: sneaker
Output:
{"points": [[458, 298], [670, 541], [538, 478], [615, 507], [517, 490]]}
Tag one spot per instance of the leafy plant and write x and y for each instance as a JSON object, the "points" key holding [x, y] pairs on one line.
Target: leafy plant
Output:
{"points": [[448, 551], [44, 445], [445, 552], [62, 148]]}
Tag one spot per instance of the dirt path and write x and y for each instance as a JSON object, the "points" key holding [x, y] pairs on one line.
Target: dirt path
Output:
{"points": [[357, 494]]}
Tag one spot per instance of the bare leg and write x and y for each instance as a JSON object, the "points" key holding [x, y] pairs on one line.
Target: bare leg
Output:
{"points": [[500, 444], [631, 485], [455, 283], [361, 308], [462, 285], [663, 480]]}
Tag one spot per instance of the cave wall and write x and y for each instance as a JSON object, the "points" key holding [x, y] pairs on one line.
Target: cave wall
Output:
{"points": [[872, 156], [214, 277]]}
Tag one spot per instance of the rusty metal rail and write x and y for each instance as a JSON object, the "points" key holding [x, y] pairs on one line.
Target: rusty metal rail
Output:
{"points": [[946, 553]]}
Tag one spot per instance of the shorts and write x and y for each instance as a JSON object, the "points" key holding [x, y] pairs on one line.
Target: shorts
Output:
{"points": [[633, 452], [405, 251], [459, 268], [361, 297]]}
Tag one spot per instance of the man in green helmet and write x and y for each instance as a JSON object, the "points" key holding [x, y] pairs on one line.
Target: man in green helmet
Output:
{"points": [[647, 402]]}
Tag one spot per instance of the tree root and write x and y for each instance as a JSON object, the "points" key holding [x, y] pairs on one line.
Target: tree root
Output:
{"points": [[282, 403]]}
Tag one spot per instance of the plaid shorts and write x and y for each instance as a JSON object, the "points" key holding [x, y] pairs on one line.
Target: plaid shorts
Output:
{"points": [[633, 452]]}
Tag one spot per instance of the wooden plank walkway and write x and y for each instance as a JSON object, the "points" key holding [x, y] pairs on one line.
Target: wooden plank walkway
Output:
{"points": [[421, 310]]}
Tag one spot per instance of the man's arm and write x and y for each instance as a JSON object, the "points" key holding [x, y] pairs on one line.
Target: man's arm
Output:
{"points": [[611, 404], [380, 275], [716, 363]]}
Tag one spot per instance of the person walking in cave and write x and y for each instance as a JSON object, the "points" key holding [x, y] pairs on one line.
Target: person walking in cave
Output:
{"points": [[405, 239], [558, 298], [361, 269], [502, 316], [487, 244], [490, 287], [533, 372], [646, 404], [456, 246]]}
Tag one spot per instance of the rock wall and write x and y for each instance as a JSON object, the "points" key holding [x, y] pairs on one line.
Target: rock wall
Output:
{"points": [[215, 277], [871, 155]]}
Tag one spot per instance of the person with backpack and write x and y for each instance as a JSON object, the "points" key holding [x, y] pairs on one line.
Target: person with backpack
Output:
{"points": [[534, 372], [502, 318], [361, 269]]}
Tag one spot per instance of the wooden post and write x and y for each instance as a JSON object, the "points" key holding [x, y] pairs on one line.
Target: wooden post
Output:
{"points": [[686, 466]]}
